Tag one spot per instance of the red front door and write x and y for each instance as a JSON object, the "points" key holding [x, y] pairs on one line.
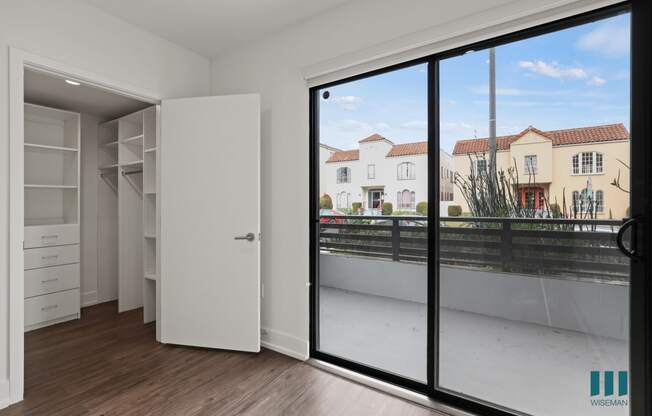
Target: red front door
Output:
{"points": [[532, 198]]}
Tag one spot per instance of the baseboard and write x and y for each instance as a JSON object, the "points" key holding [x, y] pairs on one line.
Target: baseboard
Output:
{"points": [[89, 298], [5, 396], [284, 343]]}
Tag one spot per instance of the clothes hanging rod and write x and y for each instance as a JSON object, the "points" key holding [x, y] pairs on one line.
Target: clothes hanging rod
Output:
{"points": [[131, 172]]}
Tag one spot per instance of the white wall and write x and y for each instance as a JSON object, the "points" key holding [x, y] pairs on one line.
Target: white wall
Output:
{"points": [[273, 67], [88, 39], [88, 217], [599, 309]]}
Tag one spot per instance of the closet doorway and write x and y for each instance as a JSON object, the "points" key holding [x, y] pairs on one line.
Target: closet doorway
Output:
{"points": [[89, 184]]}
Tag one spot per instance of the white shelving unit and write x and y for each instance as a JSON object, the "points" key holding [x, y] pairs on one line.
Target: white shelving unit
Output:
{"points": [[128, 162], [52, 207], [151, 219]]}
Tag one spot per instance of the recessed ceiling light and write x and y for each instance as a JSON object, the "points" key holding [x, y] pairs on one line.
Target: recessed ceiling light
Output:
{"points": [[71, 82]]}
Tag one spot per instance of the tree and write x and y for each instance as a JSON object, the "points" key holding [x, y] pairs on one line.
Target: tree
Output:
{"points": [[325, 202]]}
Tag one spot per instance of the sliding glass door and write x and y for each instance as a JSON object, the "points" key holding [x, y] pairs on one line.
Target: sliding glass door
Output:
{"points": [[531, 294], [371, 226], [533, 300]]}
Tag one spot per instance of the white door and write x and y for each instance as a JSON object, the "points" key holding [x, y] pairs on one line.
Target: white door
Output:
{"points": [[210, 202]]}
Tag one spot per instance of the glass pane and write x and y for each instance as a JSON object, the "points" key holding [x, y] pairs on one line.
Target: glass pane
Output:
{"points": [[534, 293], [372, 282]]}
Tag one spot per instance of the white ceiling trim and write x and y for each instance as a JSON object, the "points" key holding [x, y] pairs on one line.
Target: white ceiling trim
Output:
{"points": [[505, 19]]}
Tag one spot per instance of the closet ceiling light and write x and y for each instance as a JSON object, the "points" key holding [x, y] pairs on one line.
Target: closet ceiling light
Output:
{"points": [[71, 82]]}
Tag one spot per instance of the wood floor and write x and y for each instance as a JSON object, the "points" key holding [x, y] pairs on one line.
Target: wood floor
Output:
{"points": [[110, 364]]}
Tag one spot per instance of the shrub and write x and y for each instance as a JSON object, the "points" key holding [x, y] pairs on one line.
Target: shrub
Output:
{"points": [[422, 208], [454, 210], [356, 206], [325, 202], [555, 210], [387, 208]]}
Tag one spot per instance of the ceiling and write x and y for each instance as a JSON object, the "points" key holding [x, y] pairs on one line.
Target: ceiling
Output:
{"points": [[52, 91], [208, 27]]}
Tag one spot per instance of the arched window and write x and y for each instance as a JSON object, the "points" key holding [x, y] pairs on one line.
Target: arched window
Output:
{"points": [[599, 201], [405, 171], [343, 199], [587, 163], [343, 175], [405, 199]]}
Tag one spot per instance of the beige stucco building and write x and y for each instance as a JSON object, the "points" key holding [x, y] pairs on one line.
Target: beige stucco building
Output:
{"points": [[580, 163]]}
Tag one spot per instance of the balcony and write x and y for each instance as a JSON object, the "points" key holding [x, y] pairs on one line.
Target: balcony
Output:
{"points": [[528, 307]]}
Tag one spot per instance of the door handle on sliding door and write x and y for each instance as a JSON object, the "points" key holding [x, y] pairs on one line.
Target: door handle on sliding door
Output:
{"points": [[248, 237], [633, 251]]}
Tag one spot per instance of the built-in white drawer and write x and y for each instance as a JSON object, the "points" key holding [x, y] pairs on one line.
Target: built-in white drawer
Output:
{"points": [[49, 307], [51, 279], [51, 235], [51, 256]]}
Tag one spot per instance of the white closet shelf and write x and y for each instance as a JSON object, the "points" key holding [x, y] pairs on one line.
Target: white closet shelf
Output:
{"points": [[47, 147], [150, 276], [112, 166], [150, 236], [133, 140], [50, 186], [110, 144], [151, 149]]}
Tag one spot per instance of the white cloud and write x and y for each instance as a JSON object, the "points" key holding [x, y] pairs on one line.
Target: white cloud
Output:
{"points": [[415, 125], [382, 126], [348, 102], [608, 39], [596, 81], [553, 70]]}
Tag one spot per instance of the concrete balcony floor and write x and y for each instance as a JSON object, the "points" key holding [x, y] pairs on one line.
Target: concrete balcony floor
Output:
{"points": [[528, 367]]}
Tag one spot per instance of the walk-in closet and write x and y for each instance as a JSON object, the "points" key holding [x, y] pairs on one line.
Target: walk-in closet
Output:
{"points": [[91, 201]]}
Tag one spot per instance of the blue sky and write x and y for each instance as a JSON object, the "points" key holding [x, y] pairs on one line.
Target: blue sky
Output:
{"points": [[571, 78]]}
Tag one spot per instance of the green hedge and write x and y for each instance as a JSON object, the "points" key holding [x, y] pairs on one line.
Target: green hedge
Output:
{"points": [[454, 210], [356, 206], [387, 208], [422, 208]]}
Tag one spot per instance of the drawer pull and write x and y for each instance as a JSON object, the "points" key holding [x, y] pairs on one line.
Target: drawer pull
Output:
{"points": [[54, 256], [54, 279], [47, 308], [47, 237]]}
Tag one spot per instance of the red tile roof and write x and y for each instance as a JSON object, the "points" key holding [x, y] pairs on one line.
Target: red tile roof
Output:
{"points": [[344, 156], [408, 149], [579, 135], [374, 138]]}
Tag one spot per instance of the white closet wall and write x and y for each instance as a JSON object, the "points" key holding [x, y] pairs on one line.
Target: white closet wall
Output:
{"points": [[130, 211], [89, 214], [107, 212]]}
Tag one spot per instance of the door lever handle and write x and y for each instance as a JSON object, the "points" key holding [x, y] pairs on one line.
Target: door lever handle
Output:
{"points": [[248, 237]]}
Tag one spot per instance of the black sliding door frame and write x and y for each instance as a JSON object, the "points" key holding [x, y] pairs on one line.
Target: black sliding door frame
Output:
{"points": [[640, 358]]}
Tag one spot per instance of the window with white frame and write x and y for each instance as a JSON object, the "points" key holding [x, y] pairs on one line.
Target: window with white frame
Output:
{"points": [[343, 175], [481, 167], [371, 171], [531, 164], [405, 171], [587, 163], [405, 199], [599, 201]]}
